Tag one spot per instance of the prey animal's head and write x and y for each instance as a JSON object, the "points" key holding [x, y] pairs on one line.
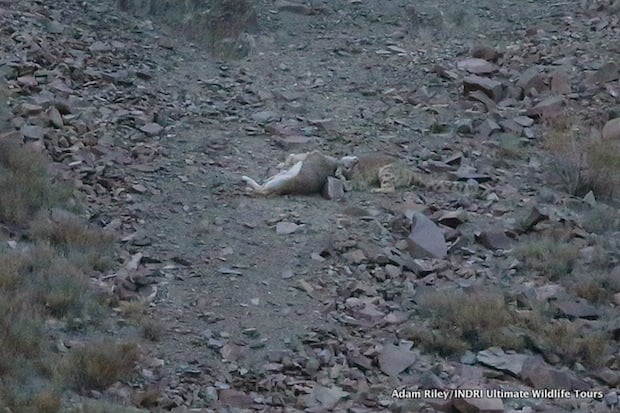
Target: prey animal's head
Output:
{"points": [[348, 162]]}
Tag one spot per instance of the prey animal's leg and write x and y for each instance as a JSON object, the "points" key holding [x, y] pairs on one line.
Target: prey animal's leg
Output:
{"points": [[278, 183], [292, 159], [253, 185]]}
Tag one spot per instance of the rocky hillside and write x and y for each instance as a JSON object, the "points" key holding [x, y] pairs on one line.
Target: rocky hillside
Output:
{"points": [[212, 299]]}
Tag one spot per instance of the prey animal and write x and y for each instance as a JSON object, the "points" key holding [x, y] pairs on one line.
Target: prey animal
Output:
{"points": [[307, 173]]}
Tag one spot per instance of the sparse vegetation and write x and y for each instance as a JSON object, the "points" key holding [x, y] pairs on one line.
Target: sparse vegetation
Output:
{"points": [[581, 161], [459, 321], [458, 17], [45, 277], [88, 248], [597, 287], [46, 402], [567, 340], [509, 146], [151, 330], [221, 25], [602, 219], [547, 256], [102, 406], [24, 184], [465, 321], [99, 365]]}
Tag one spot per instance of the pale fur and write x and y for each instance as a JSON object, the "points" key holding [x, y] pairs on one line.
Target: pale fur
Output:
{"points": [[307, 175], [384, 174]]}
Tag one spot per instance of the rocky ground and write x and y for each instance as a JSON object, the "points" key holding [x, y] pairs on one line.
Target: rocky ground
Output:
{"points": [[299, 303]]}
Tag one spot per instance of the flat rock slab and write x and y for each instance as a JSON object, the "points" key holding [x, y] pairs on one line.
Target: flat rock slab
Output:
{"points": [[548, 108], [542, 376], [533, 218], [495, 240], [286, 228], [496, 357], [608, 72], [476, 66], [577, 308], [152, 129], [395, 359], [425, 238], [491, 88], [33, 132], [532, 78]]}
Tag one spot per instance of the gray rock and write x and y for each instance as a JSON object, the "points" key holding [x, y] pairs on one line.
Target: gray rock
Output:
{"points": [[152, 129], [611, 399], [333, 188], [396, 359], [532, 78], [476, 66], [265, 116], [488, 127], [540, 375], [286, 228], [608, 72], [33, 132], [55, 117], [495, 240], [560, 83], [611, 130], [464, 126], [548, 108], [533, 218], [491, 88], [496, 357], [425, 239], [577, 308]]}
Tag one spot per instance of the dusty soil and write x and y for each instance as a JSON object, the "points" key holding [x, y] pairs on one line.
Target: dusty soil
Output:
{"points": [[241, 306]]}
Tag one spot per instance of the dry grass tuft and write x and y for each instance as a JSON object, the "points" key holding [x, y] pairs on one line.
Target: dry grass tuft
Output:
{"points": [[46, 277], [602, 219], [598, 287], [24, 184], [21, 337], [46, 402], [221, 25], [99, 365], [570, 340], [552, 259], [135, 313], [603, 163], [582, 162], [462, 321], [456, 321], [102, 406], [574, 345], [84, 246], [151, 329]]}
